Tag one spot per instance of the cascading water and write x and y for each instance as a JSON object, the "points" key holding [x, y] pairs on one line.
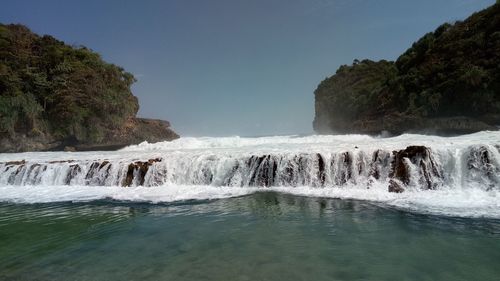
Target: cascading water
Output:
{"points": [[319, 165], [416, 167]]}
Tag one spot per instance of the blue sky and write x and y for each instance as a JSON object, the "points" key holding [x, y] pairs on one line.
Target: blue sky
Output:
{"points": [[236, 67]]}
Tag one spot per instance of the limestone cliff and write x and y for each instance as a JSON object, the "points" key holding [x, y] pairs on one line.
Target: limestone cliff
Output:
{"points": [[447, 82], [54, 96]]}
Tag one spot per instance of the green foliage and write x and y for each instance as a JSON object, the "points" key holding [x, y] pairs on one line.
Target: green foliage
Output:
{"points": [[453, 71], [51, 88], [356, 87]]}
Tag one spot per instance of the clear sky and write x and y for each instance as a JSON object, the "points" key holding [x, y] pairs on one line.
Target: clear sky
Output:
{"points": [[236, 67]]}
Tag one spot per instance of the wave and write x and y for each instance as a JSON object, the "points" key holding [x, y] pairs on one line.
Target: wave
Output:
{"points": [[295, 142]]}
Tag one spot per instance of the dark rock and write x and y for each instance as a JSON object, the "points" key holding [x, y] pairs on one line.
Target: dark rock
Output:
{"points": [[103, 164], [395, 187], [321, 169], [15, 163], [380, 159], [134, 131], [228, 179], [400, 169], [92, 170], [74, 170], [23, 142], [480, 161], [96, 175], [138, 170], [61, 161], [345, 168], [288, 172], [360, 163], [263, 170], [253, 164], [32, 172], [421, 158]]}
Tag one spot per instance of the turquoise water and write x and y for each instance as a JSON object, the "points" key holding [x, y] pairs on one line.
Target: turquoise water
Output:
{"points": [[263, 236]]}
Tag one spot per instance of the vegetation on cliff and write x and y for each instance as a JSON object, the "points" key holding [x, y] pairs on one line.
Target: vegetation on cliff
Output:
{"points": [[59, 93], [448, 80]]}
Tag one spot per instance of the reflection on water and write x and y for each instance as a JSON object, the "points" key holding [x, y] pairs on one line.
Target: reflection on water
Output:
{"points": [[264, 236]]}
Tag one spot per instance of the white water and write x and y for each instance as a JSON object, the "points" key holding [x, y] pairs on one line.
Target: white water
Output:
{"points": [[320, 166]]}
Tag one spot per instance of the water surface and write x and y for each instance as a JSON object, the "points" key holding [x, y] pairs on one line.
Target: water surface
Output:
{"points": [[262, 236]]}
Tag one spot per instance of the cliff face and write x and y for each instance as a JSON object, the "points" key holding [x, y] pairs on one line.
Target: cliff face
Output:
{"points": [[55, 96], [447, 82]]}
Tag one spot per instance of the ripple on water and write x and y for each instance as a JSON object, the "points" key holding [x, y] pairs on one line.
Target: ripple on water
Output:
{"points": [[262, 236]]}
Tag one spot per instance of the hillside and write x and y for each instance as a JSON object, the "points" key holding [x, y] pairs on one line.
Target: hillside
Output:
{"points": [[447, 82], [55, 96]]}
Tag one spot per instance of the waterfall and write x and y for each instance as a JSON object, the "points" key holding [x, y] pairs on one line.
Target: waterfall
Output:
{"points": [[413, 167]]}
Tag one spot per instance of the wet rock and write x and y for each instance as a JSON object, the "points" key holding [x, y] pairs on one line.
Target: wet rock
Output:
{"points": [[380, 160], [302, 163], [288, 173], [482, 168], [61, 161], [395, 187], [15, 163], [98, 173], [138, 171], [74, 170], [363, 167], [400, 169], [15, 175], [420, 158], [33, 167], [33, 173], [104, 164], [92, 170], [321, 169], [263, 170], [207, 176], [228, 180], [345, 168]]}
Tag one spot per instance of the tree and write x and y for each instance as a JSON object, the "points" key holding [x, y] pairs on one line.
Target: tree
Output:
{"points": [[44, 81]]}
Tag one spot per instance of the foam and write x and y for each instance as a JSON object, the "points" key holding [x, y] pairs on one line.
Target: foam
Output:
{"points": [[186, 162], [475, 203]]}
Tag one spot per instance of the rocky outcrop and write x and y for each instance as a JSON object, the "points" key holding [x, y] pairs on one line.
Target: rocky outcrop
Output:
{"points": [[414, 161], [448, 82], [399, 124], [70, 99], [134, 131], [24, 142], [151, 130]]}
